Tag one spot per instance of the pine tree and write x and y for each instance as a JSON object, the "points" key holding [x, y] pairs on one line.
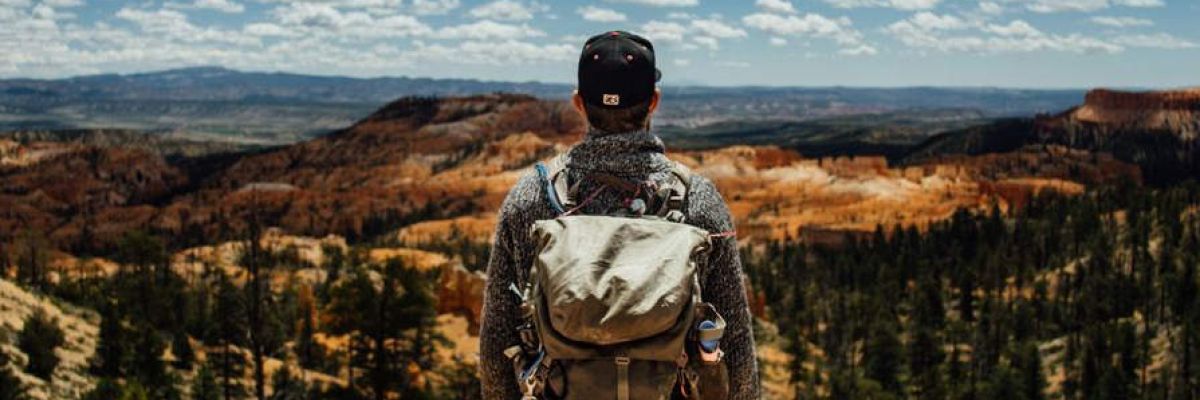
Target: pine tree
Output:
{"points": [[148, 367], [257, 263], [883, 357], [402, 310], [1029, 361], [38, 339], [228, 335], [204, 385], [181, 348], [286, 386], [32, 258], [112, 352]]}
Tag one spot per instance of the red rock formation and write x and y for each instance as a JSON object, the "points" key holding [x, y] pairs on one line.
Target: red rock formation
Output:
{"points": [[461, 292], [1181, 100], [1107, 111]]}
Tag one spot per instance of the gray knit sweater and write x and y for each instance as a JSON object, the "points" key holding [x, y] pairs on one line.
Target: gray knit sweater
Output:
{"points": [[635, 156]]}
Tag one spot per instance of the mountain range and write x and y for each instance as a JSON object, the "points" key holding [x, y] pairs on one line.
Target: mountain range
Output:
{"points": [[422, 159], [219, 103]]}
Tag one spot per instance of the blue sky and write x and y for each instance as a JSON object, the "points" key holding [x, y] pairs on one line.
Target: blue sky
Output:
{"points": [[1007, 43]]}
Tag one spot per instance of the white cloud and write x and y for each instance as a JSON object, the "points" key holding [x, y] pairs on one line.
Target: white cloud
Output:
{"points": [[951, 34], [597, 14], [1014, 28], [660, 31], [810, 25], [897, 4], [507, 10], [860, 50], [266, 29], [1121, 22], [1052, 6], [707, 41], [778, 6], [930, 21], [1139, 3], [778, 41], [327, 21], [660, 3], [682, 62], [175, 25], [1158, 41], [227, 6], [716, 28], [699, 33], [63, 3], [990, 8], [434, 7], [486, 29], [507, 53]]}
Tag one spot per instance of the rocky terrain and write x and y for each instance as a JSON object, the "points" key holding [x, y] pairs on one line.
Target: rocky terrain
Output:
{"points": [[70, 379], [424, 163], [420, 180]]}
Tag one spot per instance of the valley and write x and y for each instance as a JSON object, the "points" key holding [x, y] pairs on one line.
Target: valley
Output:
{"points": [[315, 218]]}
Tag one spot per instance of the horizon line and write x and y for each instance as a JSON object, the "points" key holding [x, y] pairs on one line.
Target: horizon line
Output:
{"points": [[684, 85]]}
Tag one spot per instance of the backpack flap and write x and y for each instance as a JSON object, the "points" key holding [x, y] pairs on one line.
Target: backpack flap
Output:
{"points": [[608, 281]]}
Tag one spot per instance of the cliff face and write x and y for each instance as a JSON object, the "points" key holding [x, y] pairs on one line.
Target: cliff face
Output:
{"points": [[1177, 112], [1155, 130]]}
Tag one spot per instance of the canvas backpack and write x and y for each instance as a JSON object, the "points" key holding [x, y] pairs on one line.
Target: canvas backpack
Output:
{"points": [[612, 305]]}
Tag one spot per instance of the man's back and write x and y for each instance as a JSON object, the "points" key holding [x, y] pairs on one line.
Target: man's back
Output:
{"points": [[635, 157]]}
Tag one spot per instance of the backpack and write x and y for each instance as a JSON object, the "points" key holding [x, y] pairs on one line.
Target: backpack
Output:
{"points": [[612, 306]]}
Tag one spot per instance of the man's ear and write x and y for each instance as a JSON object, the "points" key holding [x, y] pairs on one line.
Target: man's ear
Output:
{"points": [[577, 101], [654, 100]]}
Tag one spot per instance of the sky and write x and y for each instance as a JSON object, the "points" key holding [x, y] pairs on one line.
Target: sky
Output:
{"points": [[877, 43]]}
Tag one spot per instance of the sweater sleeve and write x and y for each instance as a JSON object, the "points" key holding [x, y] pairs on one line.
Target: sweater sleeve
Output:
{"points": [[500, 305], [723, 287]]}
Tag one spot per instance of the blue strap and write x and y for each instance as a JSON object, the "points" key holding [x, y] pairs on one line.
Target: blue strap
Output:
{"points": [[550, 195], [532, 368]]}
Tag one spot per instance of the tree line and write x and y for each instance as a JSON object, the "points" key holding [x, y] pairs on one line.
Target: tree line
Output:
{"points": [[212, 335], [1083, 297]]}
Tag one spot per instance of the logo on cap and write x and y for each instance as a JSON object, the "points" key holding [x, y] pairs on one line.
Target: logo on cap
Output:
{"points": [[612, 99]]}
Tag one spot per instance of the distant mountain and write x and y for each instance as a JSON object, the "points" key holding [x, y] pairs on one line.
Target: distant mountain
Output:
{"points": [[221, 84], [1155, 130], [285, 108]]}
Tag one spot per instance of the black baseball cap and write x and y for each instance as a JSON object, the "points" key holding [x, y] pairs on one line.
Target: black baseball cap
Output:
{"points": [[617, 70]]}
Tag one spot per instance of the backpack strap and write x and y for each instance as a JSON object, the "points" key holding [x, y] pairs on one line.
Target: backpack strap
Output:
{"points": [[559, 191], [555, 183], [675, 193]]}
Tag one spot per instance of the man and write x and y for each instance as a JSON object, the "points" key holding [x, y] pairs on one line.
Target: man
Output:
{"points": [[617, 95]]}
